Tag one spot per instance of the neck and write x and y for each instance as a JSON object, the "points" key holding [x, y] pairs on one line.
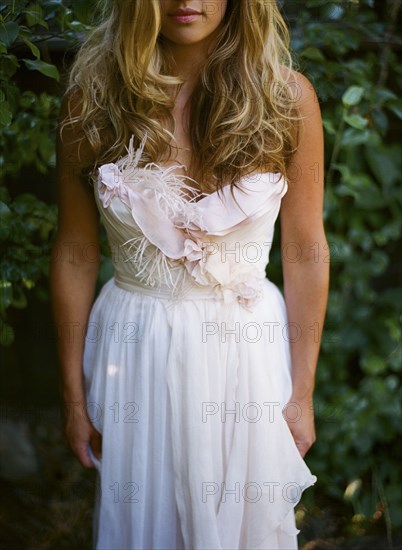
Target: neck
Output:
{"points": [[189, 59]]}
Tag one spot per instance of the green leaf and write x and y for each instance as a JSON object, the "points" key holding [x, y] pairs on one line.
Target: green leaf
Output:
{"points": [[9, 65], [370, 198], [353, 489], [77, 26], [6, 116], [8, 32], [6, 294], [34, 49], [391, 231], [385, 163], [329, 126], [379, 262], [383, 95], [356, 121], [396, 107], [46, 147], [353, 137], [313, 53], [374, 364], [19, 298], [343, 190], [352, 96], [34, 16], [28, 283], [43, 67]]}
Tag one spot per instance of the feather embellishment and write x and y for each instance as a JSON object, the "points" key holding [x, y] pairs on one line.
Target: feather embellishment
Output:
{"points": [[160, 200]]}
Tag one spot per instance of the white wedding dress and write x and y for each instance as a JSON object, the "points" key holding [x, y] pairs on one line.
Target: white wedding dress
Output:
{"points": [[187, 367]]}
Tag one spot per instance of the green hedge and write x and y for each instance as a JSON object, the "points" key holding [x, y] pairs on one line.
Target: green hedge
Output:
{"points": [[27, 141], [347, 49]]}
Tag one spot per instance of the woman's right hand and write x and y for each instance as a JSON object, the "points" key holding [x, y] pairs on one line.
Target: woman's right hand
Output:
{"points": [[79, 432]]}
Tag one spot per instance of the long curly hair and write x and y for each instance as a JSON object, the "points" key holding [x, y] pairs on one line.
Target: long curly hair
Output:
{"points": [[242, 112]]}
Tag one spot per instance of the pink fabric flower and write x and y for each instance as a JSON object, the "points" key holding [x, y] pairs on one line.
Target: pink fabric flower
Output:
{"points": [[249, 293], [193, 249], [109, 183]]}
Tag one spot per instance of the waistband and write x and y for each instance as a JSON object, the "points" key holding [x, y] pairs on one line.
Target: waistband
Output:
{"points": [[185, 292]]}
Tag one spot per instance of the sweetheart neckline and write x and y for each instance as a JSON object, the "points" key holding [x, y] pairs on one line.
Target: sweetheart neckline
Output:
{"points": [[165, 169], [250, 178]]}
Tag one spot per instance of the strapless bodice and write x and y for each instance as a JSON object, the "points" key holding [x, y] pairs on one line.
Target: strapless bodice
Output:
{"points": [[165, 234]]}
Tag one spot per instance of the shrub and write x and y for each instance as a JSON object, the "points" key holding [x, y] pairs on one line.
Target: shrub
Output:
{"points": [[346, 48]]}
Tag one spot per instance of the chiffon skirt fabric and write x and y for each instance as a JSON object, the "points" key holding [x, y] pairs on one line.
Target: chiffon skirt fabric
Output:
{"points": [[195, 452]]}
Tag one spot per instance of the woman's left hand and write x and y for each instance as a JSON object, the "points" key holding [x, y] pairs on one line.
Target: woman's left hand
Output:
{"points": [[299, 415]]}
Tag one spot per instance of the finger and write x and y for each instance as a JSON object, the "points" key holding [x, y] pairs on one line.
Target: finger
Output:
{"points": [[84, 457], [96, 444], [304, 448]]}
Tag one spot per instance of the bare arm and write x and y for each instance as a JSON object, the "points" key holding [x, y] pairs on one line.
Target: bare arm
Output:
{"points": [[73, 274], [305, 263]]}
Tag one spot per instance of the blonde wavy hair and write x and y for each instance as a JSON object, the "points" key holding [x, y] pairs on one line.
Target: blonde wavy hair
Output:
{"points": [[242, 111]]}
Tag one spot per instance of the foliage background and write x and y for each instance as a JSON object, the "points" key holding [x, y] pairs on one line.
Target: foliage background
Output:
{"points": [[349, 50]]}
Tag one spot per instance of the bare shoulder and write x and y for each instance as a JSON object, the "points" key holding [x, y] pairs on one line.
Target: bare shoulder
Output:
{"points": [[306, 168], [302, 90]]}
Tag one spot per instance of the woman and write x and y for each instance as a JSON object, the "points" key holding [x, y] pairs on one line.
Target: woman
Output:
{"points": [[189, 382]]}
